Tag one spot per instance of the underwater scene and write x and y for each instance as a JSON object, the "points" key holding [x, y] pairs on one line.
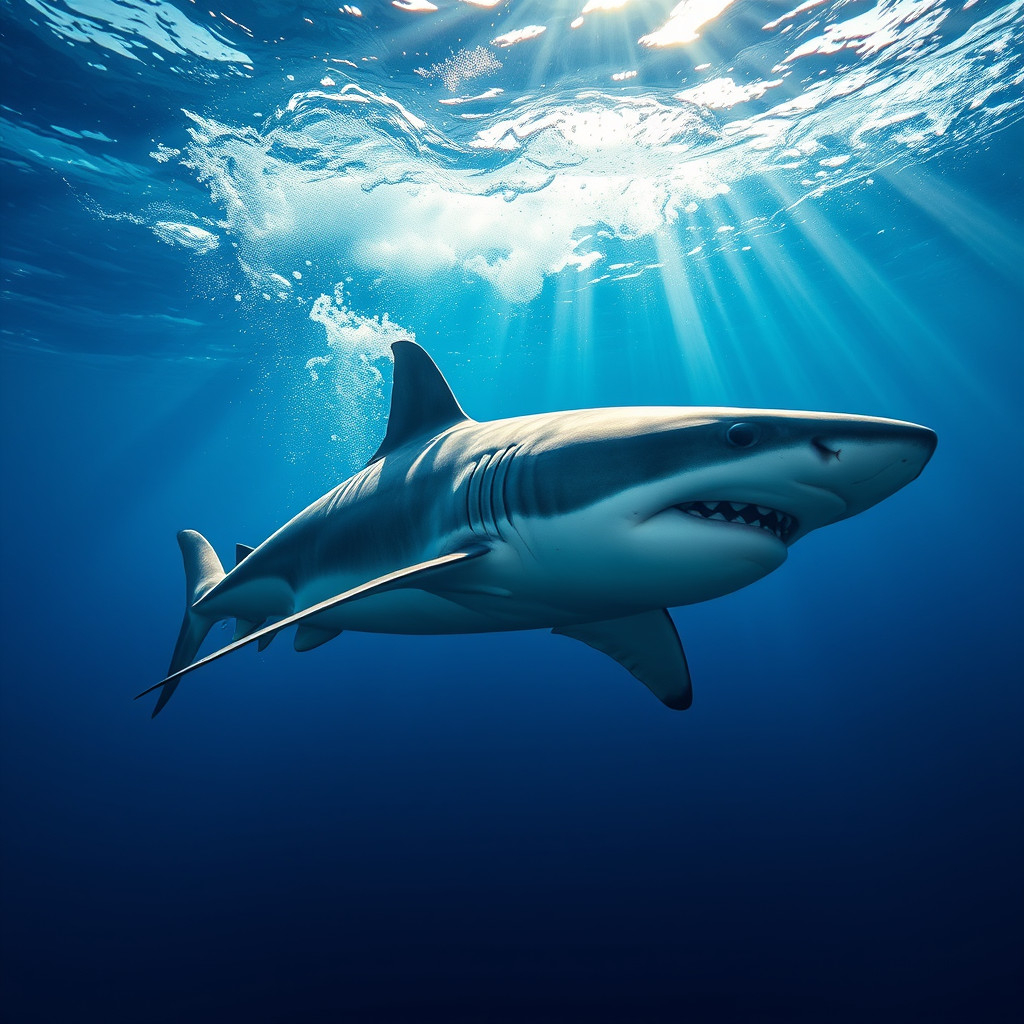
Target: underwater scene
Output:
{"points": [[255, 248]]}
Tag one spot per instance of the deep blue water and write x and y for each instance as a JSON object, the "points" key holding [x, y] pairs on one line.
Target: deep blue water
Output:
{"points": [[205, 224]]}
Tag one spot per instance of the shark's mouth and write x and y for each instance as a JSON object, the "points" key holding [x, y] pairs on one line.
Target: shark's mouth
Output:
{"points": [[779, 524]]}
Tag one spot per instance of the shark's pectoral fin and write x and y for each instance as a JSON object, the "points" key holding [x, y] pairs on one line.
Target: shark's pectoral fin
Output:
{"points": [[308, 636], [648, 645], [412, 576]]}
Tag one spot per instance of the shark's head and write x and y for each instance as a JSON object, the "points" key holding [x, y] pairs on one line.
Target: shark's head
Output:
{"points": [[701, 502], [773, 477]]}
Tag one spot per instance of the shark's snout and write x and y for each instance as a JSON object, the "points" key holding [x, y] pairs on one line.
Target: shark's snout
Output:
{"points": [[865, 461]]}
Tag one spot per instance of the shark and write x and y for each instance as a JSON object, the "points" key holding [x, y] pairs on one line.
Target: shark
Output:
{"points": [[591, 523]]}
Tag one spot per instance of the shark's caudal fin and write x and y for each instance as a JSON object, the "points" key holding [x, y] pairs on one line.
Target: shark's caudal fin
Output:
{"points": [[203, 571]]}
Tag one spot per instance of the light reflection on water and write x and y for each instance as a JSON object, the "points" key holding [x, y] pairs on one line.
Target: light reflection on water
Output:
{"points": [[679, 171]]}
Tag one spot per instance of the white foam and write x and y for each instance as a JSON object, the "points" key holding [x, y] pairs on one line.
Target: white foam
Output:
{"points": [[487, 94], [462, 66], [684, 23], [415, 6], [509, 197], [359, 349], [352, 334], [162, 154], [603, 5], [519, 35], [189, 236], [722, 93]]}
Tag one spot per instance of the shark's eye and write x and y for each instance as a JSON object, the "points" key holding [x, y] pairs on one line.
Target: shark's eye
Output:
{"points": [[742, 435]]}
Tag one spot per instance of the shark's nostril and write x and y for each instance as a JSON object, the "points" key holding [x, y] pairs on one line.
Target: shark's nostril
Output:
{"points": [[825, 450]]}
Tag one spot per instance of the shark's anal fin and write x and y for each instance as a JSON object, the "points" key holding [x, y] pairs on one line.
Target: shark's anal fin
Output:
{"points": [[646, 644], [412, 576]]}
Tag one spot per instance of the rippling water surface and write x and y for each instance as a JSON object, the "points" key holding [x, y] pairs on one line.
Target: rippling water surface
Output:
{"points": [[215, 222]]}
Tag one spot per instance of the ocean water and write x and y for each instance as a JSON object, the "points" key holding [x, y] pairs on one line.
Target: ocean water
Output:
{"points": [[216, 220]]}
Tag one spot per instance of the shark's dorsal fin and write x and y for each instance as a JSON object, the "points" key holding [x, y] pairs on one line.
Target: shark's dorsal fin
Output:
{"points": [[422, 404], [646, 644]]}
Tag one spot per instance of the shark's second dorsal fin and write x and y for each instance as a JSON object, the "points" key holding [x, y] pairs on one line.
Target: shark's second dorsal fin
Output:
{"points": [[422, 404]]}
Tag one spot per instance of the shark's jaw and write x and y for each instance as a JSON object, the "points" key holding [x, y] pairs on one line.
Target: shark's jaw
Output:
{"points": [[780, 525], [822, 468], [714, 527]]}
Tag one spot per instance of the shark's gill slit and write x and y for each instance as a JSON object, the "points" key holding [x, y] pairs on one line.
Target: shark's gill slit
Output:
{"points": [[506, 469], [494, 468], [469, 498], [486, 512], [477, 485]]}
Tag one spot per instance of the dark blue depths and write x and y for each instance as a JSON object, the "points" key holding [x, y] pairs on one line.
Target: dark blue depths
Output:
{"points": [[495, 827], [500, 828]]}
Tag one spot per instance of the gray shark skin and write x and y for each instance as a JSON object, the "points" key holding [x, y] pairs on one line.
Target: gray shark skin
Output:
{"points": [[590, 523]]}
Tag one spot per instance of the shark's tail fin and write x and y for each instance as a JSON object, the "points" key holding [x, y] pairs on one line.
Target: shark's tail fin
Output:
{"points": [[203, 571]]}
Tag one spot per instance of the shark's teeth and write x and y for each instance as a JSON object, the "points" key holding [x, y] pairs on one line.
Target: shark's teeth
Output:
{"points": [[779, 524]]}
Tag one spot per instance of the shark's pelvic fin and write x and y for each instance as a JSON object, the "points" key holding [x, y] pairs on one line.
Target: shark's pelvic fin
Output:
{"points": [[412, 576], [243, 627], [308, 636], [422, 404], [648, 645], [203, 572]]}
